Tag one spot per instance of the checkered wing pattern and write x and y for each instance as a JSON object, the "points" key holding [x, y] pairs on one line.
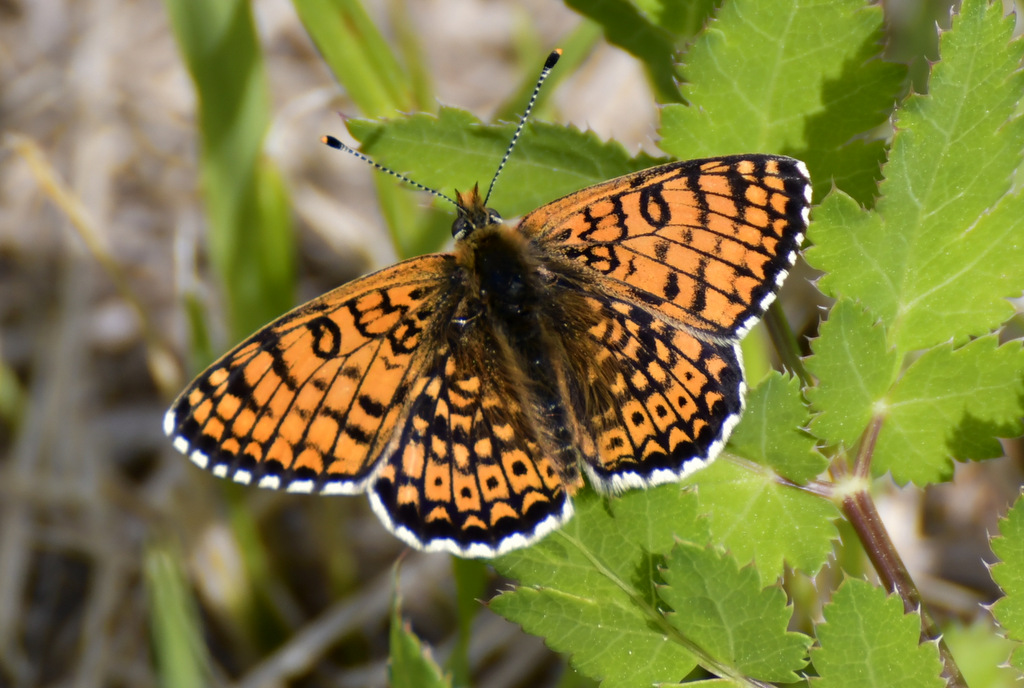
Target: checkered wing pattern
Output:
{"points": [[466, 472], [704, 243], [308, 403], [676, 263]]}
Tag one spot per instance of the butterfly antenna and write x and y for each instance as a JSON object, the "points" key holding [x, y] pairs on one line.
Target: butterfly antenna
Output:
{"points": [[548, 64], [335, 143]]}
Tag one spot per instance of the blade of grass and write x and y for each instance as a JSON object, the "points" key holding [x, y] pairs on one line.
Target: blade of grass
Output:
{"points": [[626, 26], [250, 237], [177, 635], [358, 56], [364, 64], [470, 587], [162, 364], [407, 37]]}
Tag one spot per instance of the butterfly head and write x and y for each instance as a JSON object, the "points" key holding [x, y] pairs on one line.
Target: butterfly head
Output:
{"points": [[473, 214]]}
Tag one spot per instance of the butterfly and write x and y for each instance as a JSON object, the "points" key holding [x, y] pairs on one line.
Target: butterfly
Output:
{"points": [[467, 393]]}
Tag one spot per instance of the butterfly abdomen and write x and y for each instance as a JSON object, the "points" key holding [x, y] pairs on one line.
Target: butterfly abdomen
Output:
{"points": [[516, 295]]}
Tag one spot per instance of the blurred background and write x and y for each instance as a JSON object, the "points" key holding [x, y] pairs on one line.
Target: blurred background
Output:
{"points": [[110, 542]]}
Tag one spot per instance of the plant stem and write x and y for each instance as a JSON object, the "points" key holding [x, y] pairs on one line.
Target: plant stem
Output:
{"points": [[859, 508]]}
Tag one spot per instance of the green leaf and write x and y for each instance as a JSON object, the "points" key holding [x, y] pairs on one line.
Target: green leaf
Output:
{"points": [[798, 77], [1009, 575], [365, 66], [359, 56], [682, 19], [944, 250], [758, 518], [250, 234], [855, 651], [951, 403], [723, 609], [854, 368], [410, 664], [625, 26], [981, 654], [175, 628], [603, 638], [589, 588], [455, 151], [771, 430]]}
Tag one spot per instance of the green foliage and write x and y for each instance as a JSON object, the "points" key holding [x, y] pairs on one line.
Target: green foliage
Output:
{"points": [[454, 150], [359, 56], [854, 367], [802, 78], [943, 250], [737, 622], [924, 269], [1009, 575], [590, 589], [853, 652], [250, 235], [772, 432], [951, 402], [642, 34], [593, 591], [470, 587], [176, 631], [758, 517], [410, 664]]}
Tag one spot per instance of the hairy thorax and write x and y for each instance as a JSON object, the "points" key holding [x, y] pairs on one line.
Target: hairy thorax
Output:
{"points": [[519, 308]]}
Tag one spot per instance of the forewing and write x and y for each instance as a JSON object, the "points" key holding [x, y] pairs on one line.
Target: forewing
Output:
{"points": [[706, 243], [672, 399], [465, 472], [308, 402]]}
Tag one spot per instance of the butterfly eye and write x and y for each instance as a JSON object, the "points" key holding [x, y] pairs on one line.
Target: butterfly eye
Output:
{"points": [[493, 217], [460, 227]]}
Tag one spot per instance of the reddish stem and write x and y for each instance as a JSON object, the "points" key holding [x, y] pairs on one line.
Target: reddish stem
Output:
{"points": [[859, 508]]}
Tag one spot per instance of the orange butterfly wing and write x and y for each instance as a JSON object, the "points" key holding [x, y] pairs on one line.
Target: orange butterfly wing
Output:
{"points": [[308, 403], [465, 472], [674, 398], [679, 261], [366, 389], [705, 243]]}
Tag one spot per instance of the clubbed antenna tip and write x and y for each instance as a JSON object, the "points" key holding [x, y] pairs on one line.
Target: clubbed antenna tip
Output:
{"points": [[548, 64]]}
